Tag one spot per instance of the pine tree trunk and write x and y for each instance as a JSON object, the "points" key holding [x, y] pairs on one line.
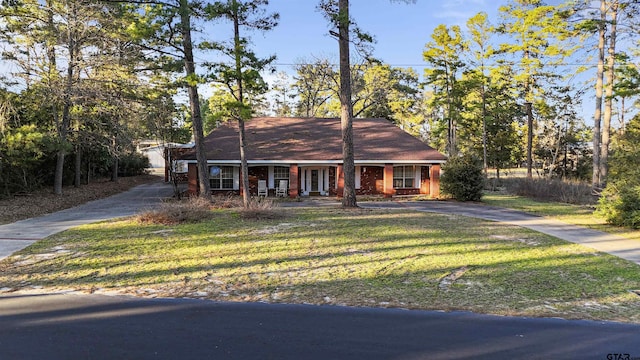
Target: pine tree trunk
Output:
{"points": [[529, 104], [51, 55], [194, 102], [78, 168], [608, 103], [63, 128], [485, 164], [114, 170], [59, 172], [597, 117], [346, 109], [244, 170]]}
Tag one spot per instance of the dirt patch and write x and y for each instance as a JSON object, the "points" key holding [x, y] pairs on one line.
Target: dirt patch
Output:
{"points": [[450, 278], [44, 201], [510, 238]]}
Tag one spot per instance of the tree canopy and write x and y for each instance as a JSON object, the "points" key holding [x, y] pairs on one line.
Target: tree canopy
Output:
{"points": [[91, 79]]}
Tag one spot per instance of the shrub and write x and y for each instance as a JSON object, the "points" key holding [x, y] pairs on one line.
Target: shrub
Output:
{"points": [[132, 164], [620, 201], [261, 208], [226, 202], [620, 205], [463, 179], [571, 192], [191, 210]]}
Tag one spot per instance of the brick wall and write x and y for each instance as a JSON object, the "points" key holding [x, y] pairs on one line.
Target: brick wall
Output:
{"points": [[371, 180], [257, 173]]}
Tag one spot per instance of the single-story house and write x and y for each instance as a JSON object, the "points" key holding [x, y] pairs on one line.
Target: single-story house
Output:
{"points": [[307, 153]]}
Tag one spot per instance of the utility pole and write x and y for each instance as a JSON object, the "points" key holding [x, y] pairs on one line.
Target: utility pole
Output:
{"points": [[529, 138]]}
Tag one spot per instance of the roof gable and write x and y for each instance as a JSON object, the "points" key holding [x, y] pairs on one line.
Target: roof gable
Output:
{"points": [[315, 139]]}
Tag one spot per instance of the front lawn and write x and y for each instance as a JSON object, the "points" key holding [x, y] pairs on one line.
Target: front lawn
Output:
{"points": [[331, 256]]}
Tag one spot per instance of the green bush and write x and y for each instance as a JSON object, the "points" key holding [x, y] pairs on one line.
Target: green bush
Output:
{"points": [[132, 164], [620, 205], [620, 200], [463, 179]]}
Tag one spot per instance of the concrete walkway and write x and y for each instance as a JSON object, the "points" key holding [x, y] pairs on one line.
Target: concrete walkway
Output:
{"points": [[18, 235], [601, 241]]}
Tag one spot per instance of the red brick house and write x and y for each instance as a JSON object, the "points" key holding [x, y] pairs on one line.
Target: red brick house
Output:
{"points": [[307, 152]]}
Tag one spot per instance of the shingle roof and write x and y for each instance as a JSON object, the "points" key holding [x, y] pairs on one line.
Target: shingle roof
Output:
{"points": [[315, 139]]}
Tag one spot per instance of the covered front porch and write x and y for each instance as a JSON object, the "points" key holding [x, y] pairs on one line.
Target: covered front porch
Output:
{"points": [[323, 179]]}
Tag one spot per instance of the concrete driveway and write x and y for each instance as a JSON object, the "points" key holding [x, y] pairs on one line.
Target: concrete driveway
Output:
{"points": [[601, 241], [18, 235]]}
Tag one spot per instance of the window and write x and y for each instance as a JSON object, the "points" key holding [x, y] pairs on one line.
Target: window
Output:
{"points": [[221, 177], [280, 173], [180, 166], [403, 176]]}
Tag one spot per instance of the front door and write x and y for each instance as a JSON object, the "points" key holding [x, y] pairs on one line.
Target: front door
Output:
{"points": [[314, 181]]}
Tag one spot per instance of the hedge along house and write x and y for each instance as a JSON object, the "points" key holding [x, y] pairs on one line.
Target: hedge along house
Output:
{"points": [[307, 153]]}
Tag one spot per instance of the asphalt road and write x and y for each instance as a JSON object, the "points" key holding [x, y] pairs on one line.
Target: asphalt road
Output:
{"points": [[102, 327]]}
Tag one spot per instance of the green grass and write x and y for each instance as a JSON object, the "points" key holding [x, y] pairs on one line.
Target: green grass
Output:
{"points": [[331, 256], [582, 215]]}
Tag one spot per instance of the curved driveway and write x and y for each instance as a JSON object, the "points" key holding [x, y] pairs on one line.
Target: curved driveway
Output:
{"points": [[20, 234]]}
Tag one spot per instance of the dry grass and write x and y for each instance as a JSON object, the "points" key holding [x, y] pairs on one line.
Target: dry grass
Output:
{"points": [[44, 201], [197, 209], [226, 202], [191, 210], [570, 192], [261, 209]]}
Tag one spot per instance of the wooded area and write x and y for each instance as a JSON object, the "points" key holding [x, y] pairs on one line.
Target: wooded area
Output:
{"points": [[91, 78]]}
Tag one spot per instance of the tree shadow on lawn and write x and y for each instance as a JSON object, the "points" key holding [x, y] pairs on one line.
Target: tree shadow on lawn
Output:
{"points": [[359, 264]]}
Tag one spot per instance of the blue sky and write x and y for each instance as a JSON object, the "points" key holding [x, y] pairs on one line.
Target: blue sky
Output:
{"points": [[401, 30]]}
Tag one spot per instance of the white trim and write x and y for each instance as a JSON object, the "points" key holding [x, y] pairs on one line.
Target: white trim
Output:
{"points": [[321, 163], [236, 178], [358, 170], [326, 179], [416, 175], [305, 180], [270, 176]]}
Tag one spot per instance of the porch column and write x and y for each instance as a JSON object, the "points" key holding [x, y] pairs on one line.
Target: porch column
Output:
{"points": [[339, 181], [388, 190], [293, 181], [435, 181], [192, 177]]}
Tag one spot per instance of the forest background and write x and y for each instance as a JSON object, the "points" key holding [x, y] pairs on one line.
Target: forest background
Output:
{"points": [[521, 83]]}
